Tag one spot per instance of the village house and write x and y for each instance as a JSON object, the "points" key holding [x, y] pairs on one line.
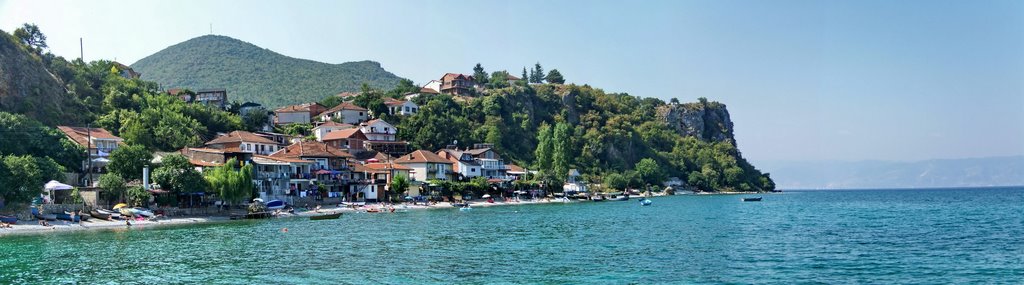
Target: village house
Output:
{"points": [[274, 176], [348, 95], [374, 180], [330, 167], [426, 165], [323, 129], [381, 137], [346, 112], [432, 87], [217, 97], [463, 163], [242, 141], [282, 140], [126, 71], [100, 143], [491, 164], [204, 158], [347, 139], [515, 172], [457, 84], [401, 107], [298, 114]]}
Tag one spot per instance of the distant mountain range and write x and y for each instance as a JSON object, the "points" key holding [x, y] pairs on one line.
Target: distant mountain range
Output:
{"points": [[252, 73], [967, 172]]}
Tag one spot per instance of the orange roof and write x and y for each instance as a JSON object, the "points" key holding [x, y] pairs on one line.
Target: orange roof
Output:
{"points": [[310, 149], [240, 136], [385, 166], [512, 77], [422, 156], [346, 106], [345, 134], [452, 76], [335, 124], [204, 163], [428, 90], [392, 101], [296, 108], [203, 149], [80, 135], [514, 168]]}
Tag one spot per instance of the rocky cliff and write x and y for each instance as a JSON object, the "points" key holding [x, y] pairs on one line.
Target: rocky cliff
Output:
{"points": [[26, 87], [705, 120]]}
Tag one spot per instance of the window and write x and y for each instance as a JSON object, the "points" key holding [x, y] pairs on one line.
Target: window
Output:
{"points": [[472, 170], [406, 109], [360, 114], [385, 129]]}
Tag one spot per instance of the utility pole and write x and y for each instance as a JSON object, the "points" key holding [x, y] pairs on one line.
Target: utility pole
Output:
{"points": [[88, 155], [81, 50]]}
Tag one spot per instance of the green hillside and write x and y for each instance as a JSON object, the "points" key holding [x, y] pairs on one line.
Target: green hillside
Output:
{"points": [[26, 87], [252, 73]]}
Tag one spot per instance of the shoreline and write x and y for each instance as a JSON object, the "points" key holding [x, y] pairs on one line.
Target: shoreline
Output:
{"points": [[96, 224]]}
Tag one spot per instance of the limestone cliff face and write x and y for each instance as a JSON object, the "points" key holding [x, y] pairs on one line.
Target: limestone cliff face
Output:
{"points": [[705, 120]]}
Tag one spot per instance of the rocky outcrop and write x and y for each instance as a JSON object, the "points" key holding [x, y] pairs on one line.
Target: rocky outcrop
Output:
{"points": [[705, 120], [26, 87]]}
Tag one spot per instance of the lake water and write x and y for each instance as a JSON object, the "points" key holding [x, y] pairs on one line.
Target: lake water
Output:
{"points": [[871, 236]]}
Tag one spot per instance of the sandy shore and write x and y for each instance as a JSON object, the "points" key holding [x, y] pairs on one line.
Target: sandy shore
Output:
{"points": [[31, 227]]}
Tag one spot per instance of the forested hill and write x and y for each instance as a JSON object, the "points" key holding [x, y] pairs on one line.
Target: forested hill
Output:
{"points": [[26, 87], [251, 73]]}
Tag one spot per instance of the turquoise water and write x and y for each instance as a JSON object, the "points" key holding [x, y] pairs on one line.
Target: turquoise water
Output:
{"points": [[877, 236]]}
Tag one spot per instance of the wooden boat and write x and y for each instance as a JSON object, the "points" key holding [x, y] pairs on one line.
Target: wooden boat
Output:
{"points": [[597, 198], [67, 217], [104, 214], [752, 199], [260, 215], [48, 217], [326, 216], [126, 212], [373, 210], [275, 205], [8, 219], [646, 202], [619, 198], [137, 211]]}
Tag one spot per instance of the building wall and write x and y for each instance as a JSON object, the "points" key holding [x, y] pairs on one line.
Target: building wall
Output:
{"points": [[293, 117]]}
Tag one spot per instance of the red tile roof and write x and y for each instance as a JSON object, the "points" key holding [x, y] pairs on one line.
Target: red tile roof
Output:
{"points": [[393, 102], [345, 134], [347, 94], [514, 168], [307, 107], [80, 135], [386, 166], [422, 156], [310, 149], [346, 106], [240, 136], [428, 91], [335, 124]]}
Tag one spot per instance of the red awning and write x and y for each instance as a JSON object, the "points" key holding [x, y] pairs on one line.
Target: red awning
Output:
{"points": [[494, 180], [323, 171]]}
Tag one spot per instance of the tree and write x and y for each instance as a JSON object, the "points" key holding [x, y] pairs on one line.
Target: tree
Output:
{"points": [[399, 185], [545, 147], [499, 79], [234, 186], [480, 75], [562, 154], [253, 120], [20, 135], [128, 161], [135, 196], [615, 181], [177, 175], [22, 177], [31, 37], [649, 172], [114, 185], [537, 76], [555, 77], [525, 77]]}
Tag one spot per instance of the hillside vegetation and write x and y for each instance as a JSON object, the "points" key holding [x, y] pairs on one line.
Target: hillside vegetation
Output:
{"points": [[26, 87], [251, 73]]}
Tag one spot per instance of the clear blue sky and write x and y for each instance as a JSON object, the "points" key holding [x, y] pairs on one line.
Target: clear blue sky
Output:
{"points": [[804, 80]]}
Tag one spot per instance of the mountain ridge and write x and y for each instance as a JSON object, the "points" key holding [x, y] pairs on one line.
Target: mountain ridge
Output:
{"points": [[931, 173], [257, 74]]}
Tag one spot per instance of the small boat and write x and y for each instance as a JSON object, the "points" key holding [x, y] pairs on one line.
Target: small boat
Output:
{"points": [[460, 205], [373, 210], [260, 215], [646, 202], [67, 217], [326, 216], [104, 214], [275, 205], [8, 219], [142, 212], [597, 198], [563, 200], [752, 199], [48, 217], [466, 208], [619, 198], [125, 212]]}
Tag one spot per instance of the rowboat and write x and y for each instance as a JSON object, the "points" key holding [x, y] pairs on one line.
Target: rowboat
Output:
{"points": [[326, 216], [142, 212], [645, 202], [104, 214], [619, 198], [275, 205], [752, 199], [48, 217], [8, 219], [68, 217], [125, 212]]}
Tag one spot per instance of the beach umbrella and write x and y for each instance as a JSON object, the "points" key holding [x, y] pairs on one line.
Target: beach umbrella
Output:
{"points": [[54, 185], [485, 196]]}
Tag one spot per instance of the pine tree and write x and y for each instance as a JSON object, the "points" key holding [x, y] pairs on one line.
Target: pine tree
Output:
{"points": [[479, 75], [537, 76], [555, 77], [525, 78]]}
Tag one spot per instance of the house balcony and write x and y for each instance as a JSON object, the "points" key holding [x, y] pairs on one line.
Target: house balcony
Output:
{"points": [[271, 175], [307, 176]]}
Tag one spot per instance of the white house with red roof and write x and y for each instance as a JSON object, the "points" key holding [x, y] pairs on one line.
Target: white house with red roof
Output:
{"points": [[242, 141], [426, 165], [401, 107], [323, 129], [346, 112]]}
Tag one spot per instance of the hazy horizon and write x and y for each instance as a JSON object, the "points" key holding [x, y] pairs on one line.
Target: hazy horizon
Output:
{"points": [[815, 81]]}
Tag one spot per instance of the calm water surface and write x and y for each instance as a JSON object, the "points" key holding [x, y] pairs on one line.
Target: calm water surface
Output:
{"points": [[875, 236]]}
